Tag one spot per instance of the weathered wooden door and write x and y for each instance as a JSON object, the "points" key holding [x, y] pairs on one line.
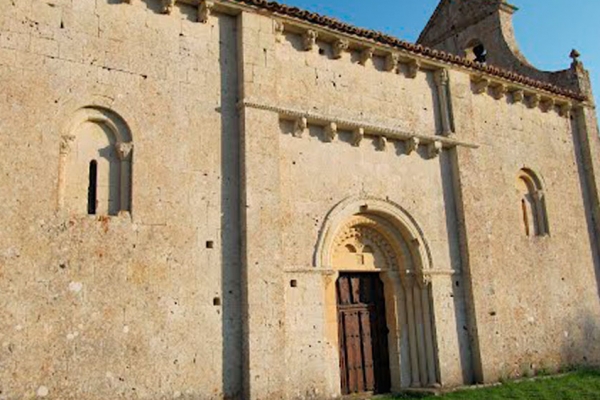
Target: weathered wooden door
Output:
{"points": [[364, 357]]}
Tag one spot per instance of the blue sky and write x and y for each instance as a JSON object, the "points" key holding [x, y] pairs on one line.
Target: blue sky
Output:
{"points": [[546, 30]]}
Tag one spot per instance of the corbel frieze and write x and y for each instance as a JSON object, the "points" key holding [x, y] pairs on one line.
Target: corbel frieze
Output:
{"points": [[300, 127], [434, 148], [391, 62], [412, 145], [481, 84], [366, 55], [331, 131], [534, 100], [204, 9], [309, 39], [518, 96], [357, 136], [338, 47], [167, 6], [547, 104], [382, 143], [414, 66], [565, 109], [500, 91]]}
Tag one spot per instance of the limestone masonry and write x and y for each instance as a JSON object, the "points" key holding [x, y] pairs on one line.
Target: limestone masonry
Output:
{"points": [[237, 199]]}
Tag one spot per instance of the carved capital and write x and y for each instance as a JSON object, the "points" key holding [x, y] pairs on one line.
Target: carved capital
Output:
{"points": [[538, 195], [500, 91], [357, 136], [547, 104], [331, 132], [167, 6], [300, 127], [366, 55], [518, 96], [442, 77], [481, 84], [434, 149], [124, 150], [391, 62], [413, 68], [309, 39], [382, 143], [565, 109], [338, 47], [412, 145], [204, 9], [534, 100], [65, 144]]}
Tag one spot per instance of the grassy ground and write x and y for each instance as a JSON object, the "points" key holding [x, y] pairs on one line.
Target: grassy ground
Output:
{"points": [[581, 385]]}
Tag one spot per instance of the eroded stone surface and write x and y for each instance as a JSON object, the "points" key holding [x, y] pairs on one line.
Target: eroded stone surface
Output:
{"points": [[242, 164]]}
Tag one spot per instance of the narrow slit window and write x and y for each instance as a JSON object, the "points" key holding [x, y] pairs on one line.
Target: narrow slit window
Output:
{"points": [[93, 187]]}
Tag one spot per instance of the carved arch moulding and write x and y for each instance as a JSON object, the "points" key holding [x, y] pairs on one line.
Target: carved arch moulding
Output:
{"points": [[395, 239], [95, 156]]}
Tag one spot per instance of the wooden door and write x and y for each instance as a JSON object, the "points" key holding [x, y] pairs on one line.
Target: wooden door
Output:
{"points": [[364, 357]]}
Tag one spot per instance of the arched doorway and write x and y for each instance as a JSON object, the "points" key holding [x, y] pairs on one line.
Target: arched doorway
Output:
{"points": [[381, 297]]}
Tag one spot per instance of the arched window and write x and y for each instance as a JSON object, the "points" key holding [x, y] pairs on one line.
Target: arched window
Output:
{"points": [[95, 164], [532, 207]]}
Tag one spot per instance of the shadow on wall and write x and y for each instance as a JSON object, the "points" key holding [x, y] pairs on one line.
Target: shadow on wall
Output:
{"points": [[586, 190], [581, 341]]}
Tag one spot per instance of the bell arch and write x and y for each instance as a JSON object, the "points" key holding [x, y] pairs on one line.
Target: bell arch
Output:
{"points": [[369, 235], [95, 163]]}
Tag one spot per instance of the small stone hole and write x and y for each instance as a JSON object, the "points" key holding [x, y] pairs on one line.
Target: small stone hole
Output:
{"points": [[321, 51], [364, 208], [493, 313], [457, 283], [210, 244], [293, 283], [216, 301]]}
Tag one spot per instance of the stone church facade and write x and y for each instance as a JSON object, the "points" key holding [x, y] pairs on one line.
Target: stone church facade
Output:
{"points": [[236, 199]]}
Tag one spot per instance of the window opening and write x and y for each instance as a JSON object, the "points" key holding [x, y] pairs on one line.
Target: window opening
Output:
{"points": [[93, 188]]}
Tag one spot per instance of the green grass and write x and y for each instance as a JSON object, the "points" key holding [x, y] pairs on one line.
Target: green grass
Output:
{"points": [[580, 385]]}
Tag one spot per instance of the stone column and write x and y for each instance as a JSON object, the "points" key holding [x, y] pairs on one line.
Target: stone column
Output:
{"points": [[441, 82], [124, 153]]}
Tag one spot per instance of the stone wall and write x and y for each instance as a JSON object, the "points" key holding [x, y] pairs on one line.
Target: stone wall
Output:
{"points": [[238, 136], [136, 305]]}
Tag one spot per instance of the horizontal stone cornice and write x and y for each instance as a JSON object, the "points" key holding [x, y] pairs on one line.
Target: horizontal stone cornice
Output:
{"points": [[368, 128]]}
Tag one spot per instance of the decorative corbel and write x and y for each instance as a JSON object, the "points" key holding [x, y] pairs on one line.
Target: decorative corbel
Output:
{"points": [[434, 149], [441, 77], [381, 143], [565, 109], [547, 104], [481, 84], [339, 46], [518, 96], [309, 39], [357, 136], [534, 100], [65, 144], [300, 127], [167, 6], [204, 9], [366, 55], [126, 1], [413, 68], [124, 150], [278, 27], [391, 62], [331, 131], [500, 91], [411, 145]]}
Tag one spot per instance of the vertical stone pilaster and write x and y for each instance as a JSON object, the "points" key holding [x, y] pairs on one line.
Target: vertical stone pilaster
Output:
{"points": [[441, 82]]}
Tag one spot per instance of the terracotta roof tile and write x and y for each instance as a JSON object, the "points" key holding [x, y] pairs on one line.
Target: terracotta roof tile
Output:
{"points": [[417, 49]]}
